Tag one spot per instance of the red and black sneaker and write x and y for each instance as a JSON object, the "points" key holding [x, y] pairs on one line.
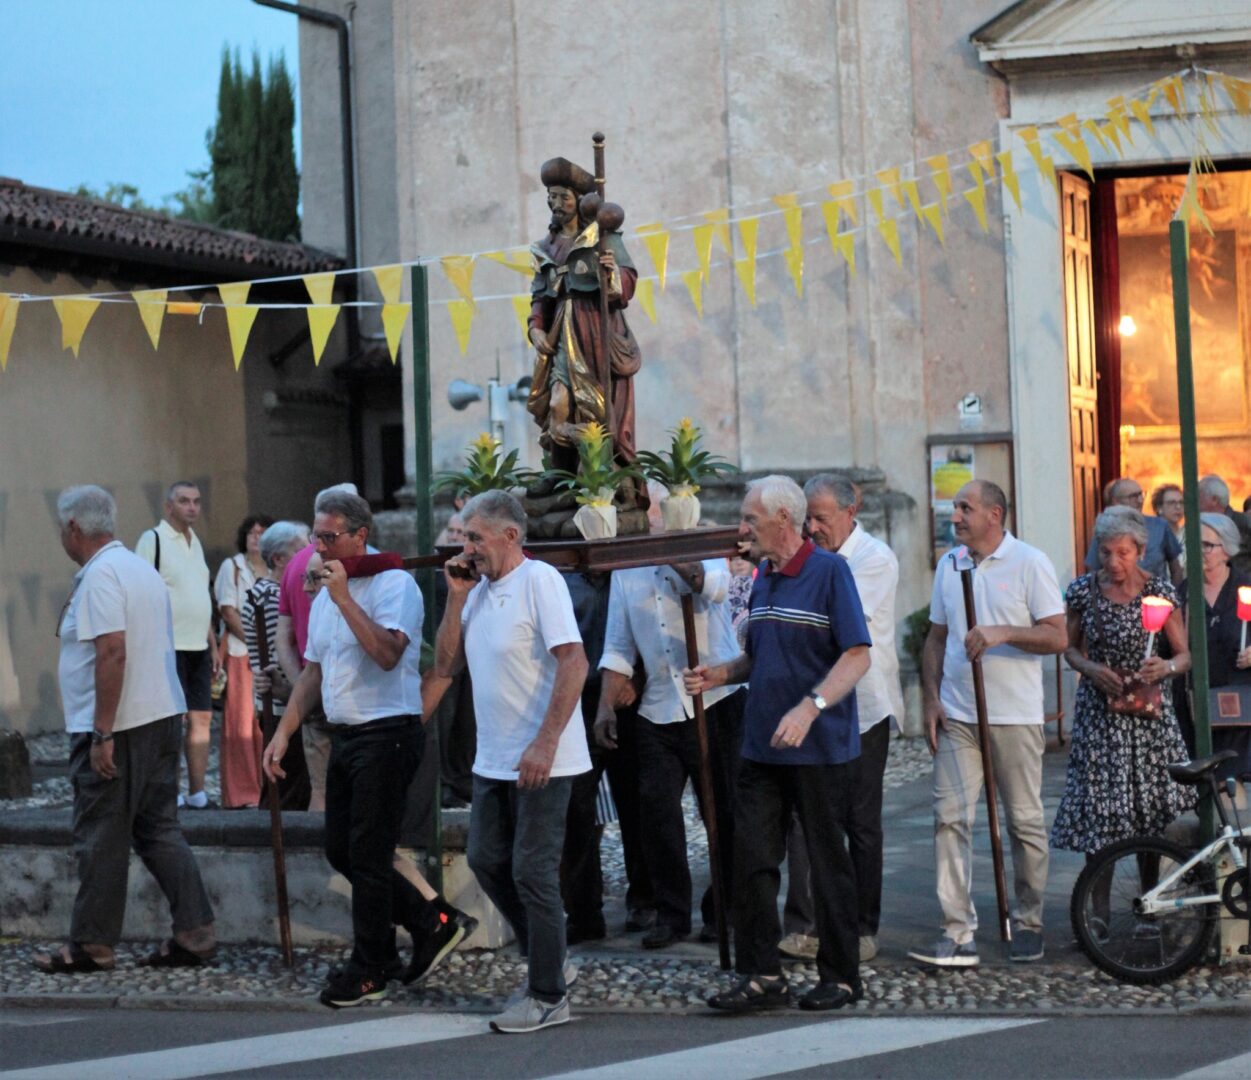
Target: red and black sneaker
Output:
{"points": [[430, 950], [345, 989]]}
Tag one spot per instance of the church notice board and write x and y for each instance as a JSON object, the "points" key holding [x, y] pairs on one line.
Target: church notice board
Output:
{"points": [[954, 460]]}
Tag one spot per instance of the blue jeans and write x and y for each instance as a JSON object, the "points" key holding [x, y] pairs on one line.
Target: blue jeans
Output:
{"points": [[515, 841]]}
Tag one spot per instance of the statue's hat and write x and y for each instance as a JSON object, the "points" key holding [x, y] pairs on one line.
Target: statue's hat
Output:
{"points": [[560, 172]]}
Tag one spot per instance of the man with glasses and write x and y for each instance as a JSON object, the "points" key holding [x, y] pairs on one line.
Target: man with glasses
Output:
{"points": [[1162, 556]]}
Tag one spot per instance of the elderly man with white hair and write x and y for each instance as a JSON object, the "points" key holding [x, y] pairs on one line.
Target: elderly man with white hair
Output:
{"points": [[807, 646], [1214, 499], [123, 711]]}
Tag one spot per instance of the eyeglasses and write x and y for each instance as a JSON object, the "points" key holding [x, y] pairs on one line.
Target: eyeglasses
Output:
{"points": [[313, 578], [329, 538], [1208, 545]]}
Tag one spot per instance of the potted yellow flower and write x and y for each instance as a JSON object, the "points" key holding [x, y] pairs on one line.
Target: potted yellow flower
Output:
{"points": [[485, 470], [680, 471], [596, 483]]}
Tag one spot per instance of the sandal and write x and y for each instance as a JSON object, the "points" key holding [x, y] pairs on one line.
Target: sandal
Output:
{"points": [[752, 995], [172, 955], [80, 962]]}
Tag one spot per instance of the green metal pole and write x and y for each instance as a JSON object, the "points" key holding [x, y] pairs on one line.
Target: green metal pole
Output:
{"points": [[1179, 246], [423, 484]]}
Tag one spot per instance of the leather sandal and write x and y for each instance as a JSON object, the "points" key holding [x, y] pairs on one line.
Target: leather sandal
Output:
{"points": [[172, 955], [753, 994], [80, 962]]}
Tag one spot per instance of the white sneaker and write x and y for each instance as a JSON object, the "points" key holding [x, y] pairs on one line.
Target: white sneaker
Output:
{"points": [[530, 1014], [570, 972], [799, 946], [868, 948]]}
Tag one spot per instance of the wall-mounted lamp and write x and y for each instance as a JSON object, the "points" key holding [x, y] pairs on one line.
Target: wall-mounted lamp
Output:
{"points": [[462, 394], [1128, 328]]}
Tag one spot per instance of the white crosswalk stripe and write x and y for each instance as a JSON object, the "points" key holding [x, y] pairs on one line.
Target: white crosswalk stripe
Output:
{"points": [[1230, 1069], [804, 1047]]}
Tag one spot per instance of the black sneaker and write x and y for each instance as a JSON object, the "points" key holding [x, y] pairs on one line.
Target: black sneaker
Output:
{"points": [[348, 989], [393, 970], [430, 951]]}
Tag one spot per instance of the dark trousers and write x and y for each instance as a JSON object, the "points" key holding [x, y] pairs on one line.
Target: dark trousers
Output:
{"points": [[766, 797], [458, 738], [139, 807], [864, 840], [581, 871], [366, 779], [668, 757]]}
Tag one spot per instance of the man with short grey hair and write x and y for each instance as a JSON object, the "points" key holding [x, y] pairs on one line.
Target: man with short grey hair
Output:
{"points": [[123, 711], [1214, 499], [1162, 552]]}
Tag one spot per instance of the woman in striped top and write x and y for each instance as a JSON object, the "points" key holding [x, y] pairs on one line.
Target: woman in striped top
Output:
{"points": [[278, 543]]}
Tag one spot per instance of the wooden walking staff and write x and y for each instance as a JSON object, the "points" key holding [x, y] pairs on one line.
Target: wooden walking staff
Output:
{"points": [[275, 813], [988, 771], [706, 788], [609, 217]]}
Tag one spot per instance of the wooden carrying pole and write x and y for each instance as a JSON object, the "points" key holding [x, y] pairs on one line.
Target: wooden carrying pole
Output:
{"points": [[605, 372], [988, 771], [275, 812], [706, 788]]}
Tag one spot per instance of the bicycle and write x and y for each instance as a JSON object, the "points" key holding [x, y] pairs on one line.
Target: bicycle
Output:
{"points": [[1145, 909]]}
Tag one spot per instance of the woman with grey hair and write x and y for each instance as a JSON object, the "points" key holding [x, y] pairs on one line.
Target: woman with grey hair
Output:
{"points": [[1117, 785]]}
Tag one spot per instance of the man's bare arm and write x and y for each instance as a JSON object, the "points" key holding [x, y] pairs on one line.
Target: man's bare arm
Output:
{"points": [[1045, 638]]}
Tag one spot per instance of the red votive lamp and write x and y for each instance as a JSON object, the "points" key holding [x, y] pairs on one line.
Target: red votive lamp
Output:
{"points": [[1244, 611], [1155, 613]]}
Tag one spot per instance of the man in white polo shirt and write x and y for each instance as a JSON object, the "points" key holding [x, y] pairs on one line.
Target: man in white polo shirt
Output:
{"points": [[123, 712], [1020, 619], [511, 620], [174, 549], [363, 652]]}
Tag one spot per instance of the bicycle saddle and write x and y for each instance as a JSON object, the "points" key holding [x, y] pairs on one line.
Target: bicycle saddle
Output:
{"points": [[1194, 772]]}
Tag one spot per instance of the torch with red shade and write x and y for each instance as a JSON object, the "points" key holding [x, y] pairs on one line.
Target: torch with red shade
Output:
{"points": [[1155, 613], [1244, 612]]}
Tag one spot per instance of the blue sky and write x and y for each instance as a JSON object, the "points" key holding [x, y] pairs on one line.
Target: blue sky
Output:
{"points": [[97, 91]]}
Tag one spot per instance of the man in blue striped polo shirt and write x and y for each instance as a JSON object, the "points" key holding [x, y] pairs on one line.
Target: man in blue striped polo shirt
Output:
{"points": [[807, 645]]}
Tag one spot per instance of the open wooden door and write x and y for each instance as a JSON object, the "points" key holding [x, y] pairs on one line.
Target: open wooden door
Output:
{"points": [[1079, 317]]}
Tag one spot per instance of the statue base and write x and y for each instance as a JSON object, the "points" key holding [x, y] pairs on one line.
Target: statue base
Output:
{"points": [[551, 514]]}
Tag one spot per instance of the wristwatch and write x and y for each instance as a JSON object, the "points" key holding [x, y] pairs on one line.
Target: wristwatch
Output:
{"points": [[1172, 667], [818, 701], [98, 736]]}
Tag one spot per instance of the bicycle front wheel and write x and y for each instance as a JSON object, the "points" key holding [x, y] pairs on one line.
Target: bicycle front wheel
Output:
{"points": [[1110, 927]]}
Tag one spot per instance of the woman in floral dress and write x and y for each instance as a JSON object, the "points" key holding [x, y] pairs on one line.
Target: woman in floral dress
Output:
{"points": [[1117, 785]]}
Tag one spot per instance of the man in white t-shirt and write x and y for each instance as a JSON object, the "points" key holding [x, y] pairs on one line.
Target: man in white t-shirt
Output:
{"points": [[511, 620], [123, 711], [1020, 619]]}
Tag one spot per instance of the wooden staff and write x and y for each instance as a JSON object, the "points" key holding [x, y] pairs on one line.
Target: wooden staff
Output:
{"points": [[275, 813], [988, 771], [706, 787], [597, 143]]}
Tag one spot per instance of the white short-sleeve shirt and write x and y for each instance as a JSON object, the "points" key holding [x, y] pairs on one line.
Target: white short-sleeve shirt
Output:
{"points": [[1014, 586], [876, 571], [186, 574], [234, 579], [510, 628], [354, 687], [117, 591]]}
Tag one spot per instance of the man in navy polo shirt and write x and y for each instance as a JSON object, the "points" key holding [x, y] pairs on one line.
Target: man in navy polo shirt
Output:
{"points": [[807, 645]]}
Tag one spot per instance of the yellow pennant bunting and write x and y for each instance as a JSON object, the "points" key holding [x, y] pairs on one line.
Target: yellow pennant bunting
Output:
{"points": [[890, 234], [746, 271], [703, 248], [656, 240], [1239, 92], [1046, 166], [518, 259], [461, 314], [75, 313], [1207, 104], [459, 271], [721, 228], [321, 320], [1070, 123], [977, 199], [843, 194], [794, 217], [239, 320], [875, 201], [940, 173], [1077, 150], [1118, 114], [151, 305], [320, 287], [933, 215], [981, 153], [794, 257], [235, 292], [394, 316], [1112, 135], [644, 293], [694, 282], [889, 179], [747, 230], [8, 323], [389, 279], [1142, 113], [846, 245], [521, 308], [914, 196], [1093, 128], [1010, 180], [1175, 92]]}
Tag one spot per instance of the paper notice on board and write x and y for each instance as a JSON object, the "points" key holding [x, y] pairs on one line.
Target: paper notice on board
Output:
{"points": [[951, 467]]}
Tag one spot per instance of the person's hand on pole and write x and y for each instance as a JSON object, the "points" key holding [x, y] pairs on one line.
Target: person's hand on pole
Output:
{"points": [[272, 758], [699, 680]]}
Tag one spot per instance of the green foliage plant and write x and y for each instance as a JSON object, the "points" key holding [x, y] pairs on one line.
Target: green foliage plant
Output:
{"points": [[485, 470], [685, 465], [598, 475]]}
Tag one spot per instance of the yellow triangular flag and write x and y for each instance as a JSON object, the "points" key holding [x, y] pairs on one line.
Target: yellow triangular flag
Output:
{"points": [[1239, 91], [151, 305], [846, 245], [656, 240], [75, 314], [843, 193], [239, 320], [234, 293], [1093, 128], [890, 234], [746, 271], [8, 323], [645, 294], [795, 266], [940, 173], [1077, 150], [981, 153], [459, 271], [875, 201], [461, 313], [890, 178], [1142, 113], [703, 248], [1175, 91], [1070, 123], [1010, 181], [694, 282], [933, 215], [390, 280], [521, 308], [829, 212], [914, 196], [793, 215], [747, 231], [977, 200], [320, 287], [394, 316], [1207, 103], [1118, 113], [1046, 166], [721, 228], [1111, 134], [321, 319], [519, 259]]}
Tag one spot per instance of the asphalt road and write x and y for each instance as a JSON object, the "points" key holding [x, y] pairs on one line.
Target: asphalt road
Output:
{"points": [[116, 1044]]}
